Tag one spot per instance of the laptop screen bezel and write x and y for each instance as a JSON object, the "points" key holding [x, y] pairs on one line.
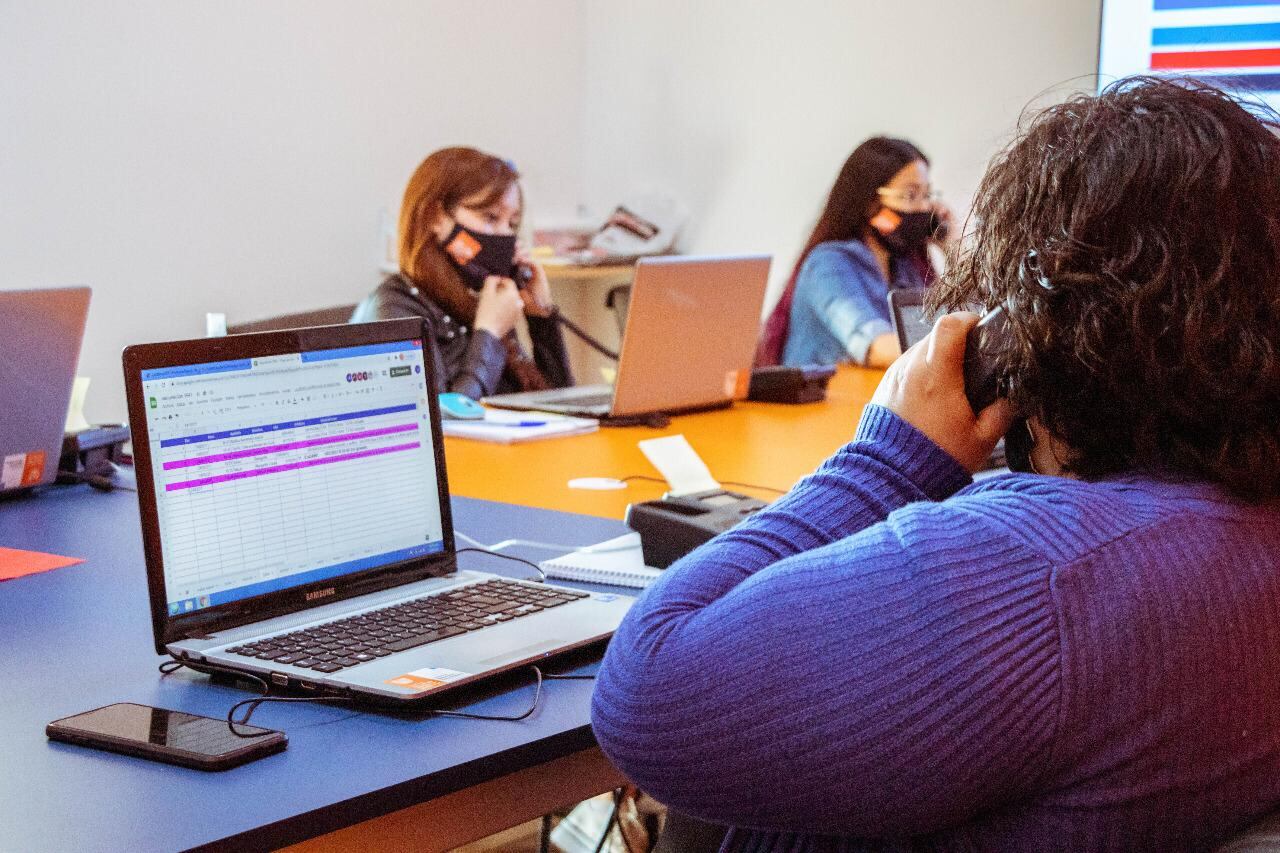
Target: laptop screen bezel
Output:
{"points": [[900, 299], [168, 629]]}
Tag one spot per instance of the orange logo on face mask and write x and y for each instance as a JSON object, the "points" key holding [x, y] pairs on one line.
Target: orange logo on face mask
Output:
{"points": [[886, 221], [463, 248]]}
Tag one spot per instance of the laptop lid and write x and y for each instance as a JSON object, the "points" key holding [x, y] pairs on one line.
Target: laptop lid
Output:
{"points": [[910, 322], [280, 471], [690, 339], [40, 336]]}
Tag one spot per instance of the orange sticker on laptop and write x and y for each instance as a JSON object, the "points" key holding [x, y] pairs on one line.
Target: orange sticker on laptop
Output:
{"points": [[33, 470], [413, 682], [736, 384], [421, 680], [19, 470]]}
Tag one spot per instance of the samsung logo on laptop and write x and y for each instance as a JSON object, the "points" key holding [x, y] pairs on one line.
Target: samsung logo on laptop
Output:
{"points": [[320, 593]]}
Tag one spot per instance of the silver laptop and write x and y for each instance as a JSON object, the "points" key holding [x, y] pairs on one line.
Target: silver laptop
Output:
{"points": [[689, 343], [40, 335], [296, 521]]}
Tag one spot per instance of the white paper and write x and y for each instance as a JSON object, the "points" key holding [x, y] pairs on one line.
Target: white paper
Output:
{"points": [[75, 409], [506, 427], [680, 464], [215, 325], [11, 471]]}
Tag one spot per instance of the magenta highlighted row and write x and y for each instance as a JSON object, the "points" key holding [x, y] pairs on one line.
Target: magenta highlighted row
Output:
{"points": [[293, 445], [291, 466]]}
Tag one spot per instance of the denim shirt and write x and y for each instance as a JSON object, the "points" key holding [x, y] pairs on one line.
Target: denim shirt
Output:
{"points": [[841, 303]]}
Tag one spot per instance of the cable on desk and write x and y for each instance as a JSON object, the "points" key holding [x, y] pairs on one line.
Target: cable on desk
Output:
{"points": [[542, 576], [581, 333], [171, 666], [533, 706], [724, 483], [102, 482], [252, 705], [543, 546]]}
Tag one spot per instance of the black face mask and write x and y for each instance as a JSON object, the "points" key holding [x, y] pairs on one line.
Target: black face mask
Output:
{"points": [[478, 256], [913, 231]]}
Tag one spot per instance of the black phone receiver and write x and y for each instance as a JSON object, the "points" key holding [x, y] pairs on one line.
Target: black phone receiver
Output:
{"points": [[521, 274], [986, 340], [982, 382]]}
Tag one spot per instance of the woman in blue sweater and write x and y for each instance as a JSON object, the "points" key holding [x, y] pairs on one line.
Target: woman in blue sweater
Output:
{"points": [[871, 237], [1085, 656]]}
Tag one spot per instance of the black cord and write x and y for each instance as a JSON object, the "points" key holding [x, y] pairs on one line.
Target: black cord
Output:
{"points": [[533, 706], [103, 482], [171, 666], [753, 486], [613, 816], [541, 574], [551, 677], [252, 705], [725, 483], [581, 333]]}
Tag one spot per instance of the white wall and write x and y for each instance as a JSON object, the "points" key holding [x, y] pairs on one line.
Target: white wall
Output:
{"points": [[235, 156], [746, 109]]}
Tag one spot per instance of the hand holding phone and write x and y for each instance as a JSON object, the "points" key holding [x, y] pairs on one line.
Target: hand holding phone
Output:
{"points": [[927, 388], [173, 737]]}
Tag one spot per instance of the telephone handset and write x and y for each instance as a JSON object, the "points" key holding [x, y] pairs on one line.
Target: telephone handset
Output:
{"points": [[985, 341], [983, 382]]}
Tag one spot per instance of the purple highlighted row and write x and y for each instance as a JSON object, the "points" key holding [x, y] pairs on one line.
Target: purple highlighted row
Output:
{"points": [[292, 445], [292, 466]]}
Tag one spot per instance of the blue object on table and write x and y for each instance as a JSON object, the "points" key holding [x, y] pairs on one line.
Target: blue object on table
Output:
{"points": [[460, 407], [344, 765], [514, 423]]}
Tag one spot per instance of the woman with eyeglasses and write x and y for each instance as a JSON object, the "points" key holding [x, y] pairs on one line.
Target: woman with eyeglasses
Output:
{"points": [[872, 236], [460, 269]]}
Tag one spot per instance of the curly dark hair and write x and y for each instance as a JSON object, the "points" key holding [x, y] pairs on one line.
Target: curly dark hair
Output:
{"points": [[1134, 240]]}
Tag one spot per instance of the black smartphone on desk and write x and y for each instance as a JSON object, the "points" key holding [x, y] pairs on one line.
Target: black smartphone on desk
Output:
{"points": [[173, 737]]}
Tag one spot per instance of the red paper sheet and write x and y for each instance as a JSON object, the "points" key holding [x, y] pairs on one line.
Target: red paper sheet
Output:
{"points": [[15, 563]]}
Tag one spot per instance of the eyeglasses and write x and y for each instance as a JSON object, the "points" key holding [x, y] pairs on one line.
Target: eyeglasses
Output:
{"points": [[915, 195]]}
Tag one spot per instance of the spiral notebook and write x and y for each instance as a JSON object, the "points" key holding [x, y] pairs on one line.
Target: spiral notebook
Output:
{"points": [[506, 427], [619, 562]]}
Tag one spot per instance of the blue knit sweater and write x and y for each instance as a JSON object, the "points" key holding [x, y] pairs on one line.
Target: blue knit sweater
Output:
{"points": [[894, 658]]}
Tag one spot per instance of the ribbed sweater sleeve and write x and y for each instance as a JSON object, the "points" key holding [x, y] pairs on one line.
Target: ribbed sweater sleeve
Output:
{"points": [[860, 659]]}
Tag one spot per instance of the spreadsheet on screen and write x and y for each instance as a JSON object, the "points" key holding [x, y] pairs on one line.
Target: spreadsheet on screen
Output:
{"points": [[289, 469]]}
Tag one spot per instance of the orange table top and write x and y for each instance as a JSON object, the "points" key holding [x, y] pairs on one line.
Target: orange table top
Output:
{"points": [[765, 444]]}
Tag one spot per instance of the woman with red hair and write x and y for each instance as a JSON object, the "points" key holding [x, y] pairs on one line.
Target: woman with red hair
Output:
{"points": [[459, 266]]}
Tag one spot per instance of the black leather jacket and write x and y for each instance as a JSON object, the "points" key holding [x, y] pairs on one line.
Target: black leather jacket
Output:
{"points": [[465, 360]]}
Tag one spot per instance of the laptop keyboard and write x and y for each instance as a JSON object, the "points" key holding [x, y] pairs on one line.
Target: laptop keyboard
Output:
{"points": [[378, 633]]}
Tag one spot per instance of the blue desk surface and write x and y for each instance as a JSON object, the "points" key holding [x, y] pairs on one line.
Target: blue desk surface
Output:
{"points": [[80, 637]]}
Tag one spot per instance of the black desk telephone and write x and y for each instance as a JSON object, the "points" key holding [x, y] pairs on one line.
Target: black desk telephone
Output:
{"points": [[673, 526]]}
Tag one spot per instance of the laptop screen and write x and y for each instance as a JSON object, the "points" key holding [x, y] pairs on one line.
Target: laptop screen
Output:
{"points": [[915, 324], [285, 470]]}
